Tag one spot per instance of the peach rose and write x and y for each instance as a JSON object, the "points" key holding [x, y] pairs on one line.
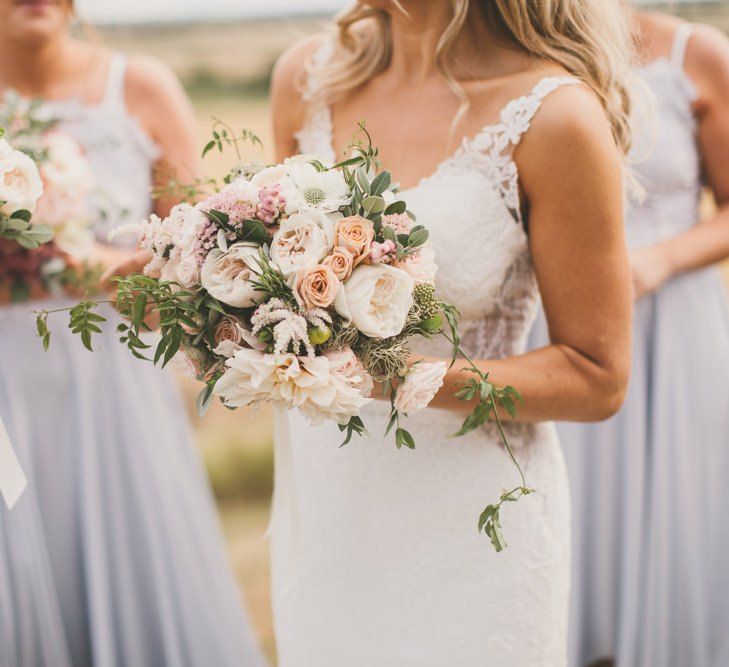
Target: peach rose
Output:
{"points": [[341, 262], [317, 287], [356, 234]]}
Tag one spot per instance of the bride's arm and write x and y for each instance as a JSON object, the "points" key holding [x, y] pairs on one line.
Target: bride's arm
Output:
{"points": [[570, 173]]}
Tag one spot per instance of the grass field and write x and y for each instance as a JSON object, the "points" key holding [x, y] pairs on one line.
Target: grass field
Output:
{"points": [[226, 69]]}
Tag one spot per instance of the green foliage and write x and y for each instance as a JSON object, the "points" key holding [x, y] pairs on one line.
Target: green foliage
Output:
{"points": [[270, 282], [224, 136], [355, 426], [490, 520], [17, 227], [137, 296]]}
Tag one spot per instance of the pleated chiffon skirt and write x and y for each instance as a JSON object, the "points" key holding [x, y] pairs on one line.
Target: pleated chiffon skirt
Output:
{"points": [[650, 491], [114, 555]]}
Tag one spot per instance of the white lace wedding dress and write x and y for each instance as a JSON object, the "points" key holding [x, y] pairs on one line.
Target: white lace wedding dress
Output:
{"points": [[377, 561]]}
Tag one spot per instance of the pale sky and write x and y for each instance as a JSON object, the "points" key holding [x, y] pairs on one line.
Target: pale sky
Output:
{"points": [[123, 11]]}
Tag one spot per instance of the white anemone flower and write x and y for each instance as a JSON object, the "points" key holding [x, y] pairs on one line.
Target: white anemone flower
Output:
{"points": [[324, 191]]}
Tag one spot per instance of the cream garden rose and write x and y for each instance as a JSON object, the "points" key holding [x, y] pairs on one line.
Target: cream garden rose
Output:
{"points": [[329, 387], [376, 299], [302, 241], [420, 265], [227, 275], [249, 378], [20, 182]]}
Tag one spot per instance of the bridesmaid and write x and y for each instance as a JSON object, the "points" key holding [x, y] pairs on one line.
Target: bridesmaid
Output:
{"points": [[113, 557], [651, 509]]}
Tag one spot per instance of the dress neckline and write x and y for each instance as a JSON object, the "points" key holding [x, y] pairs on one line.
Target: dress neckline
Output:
{"points": [[514, 120]]}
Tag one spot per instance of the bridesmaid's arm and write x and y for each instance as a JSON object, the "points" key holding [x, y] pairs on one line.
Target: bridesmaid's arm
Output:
{"points": [[707, 64], [571, 175], [155, 97]]}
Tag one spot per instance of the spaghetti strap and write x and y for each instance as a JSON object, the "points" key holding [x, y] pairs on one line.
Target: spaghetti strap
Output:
{"points": [[114, 95], [680, 44]]}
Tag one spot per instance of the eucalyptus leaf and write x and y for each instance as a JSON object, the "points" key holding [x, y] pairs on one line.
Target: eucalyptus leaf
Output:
{"points": [[253, 231], [22, 214], [417, 237], [373, 205], [380, 183], [363, 181], [396, 207]]}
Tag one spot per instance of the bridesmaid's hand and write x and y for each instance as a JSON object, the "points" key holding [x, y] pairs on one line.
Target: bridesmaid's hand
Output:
{"points": [[651, 268], [125, 265]]}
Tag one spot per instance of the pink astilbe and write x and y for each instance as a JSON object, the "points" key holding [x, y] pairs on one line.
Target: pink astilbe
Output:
{"points": [[207, 239], [238, 202]]}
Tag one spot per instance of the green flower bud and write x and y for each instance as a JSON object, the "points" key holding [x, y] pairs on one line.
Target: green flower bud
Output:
{"points": [[432, 324], [319, 335]]}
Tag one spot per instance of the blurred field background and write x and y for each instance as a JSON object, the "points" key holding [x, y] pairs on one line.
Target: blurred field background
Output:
{"points": [[226, 69]]}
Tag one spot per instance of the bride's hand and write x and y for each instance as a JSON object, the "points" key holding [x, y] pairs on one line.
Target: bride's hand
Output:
{"points": [[650, 268]]}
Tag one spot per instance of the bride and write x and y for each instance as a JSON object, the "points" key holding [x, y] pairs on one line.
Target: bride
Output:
{"points": [[505, 121]]}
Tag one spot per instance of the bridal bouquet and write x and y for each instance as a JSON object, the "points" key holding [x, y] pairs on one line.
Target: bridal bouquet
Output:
{"points": [[301, 284], [62, 182]]}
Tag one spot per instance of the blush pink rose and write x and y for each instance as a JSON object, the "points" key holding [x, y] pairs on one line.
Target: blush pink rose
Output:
{"points": [[341, 262], [420, 386], [356, 234]]}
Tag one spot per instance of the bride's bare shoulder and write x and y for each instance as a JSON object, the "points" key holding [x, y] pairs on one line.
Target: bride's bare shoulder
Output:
{"points": [[570, 133], [288, 85]]}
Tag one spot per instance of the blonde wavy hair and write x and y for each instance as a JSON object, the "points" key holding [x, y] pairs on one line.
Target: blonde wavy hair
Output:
{"points": [[591, 39]]}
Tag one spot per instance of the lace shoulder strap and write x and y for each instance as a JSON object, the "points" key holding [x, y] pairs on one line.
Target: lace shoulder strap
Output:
{"points": [[498, 141], [517, 116], [680, 44], [316, 135], [320, 57]]}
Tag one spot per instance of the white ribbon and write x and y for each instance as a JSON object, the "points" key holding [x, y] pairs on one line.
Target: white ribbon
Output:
{"points": [[12, 478]]}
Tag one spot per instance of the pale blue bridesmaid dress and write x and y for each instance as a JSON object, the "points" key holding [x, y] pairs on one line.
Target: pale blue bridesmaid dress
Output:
{"points": [[650, 486], [114, 556]]}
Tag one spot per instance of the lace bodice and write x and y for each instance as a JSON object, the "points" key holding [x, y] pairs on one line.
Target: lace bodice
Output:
{"points": [[121, 154], [471, 206], [666, 158]]}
